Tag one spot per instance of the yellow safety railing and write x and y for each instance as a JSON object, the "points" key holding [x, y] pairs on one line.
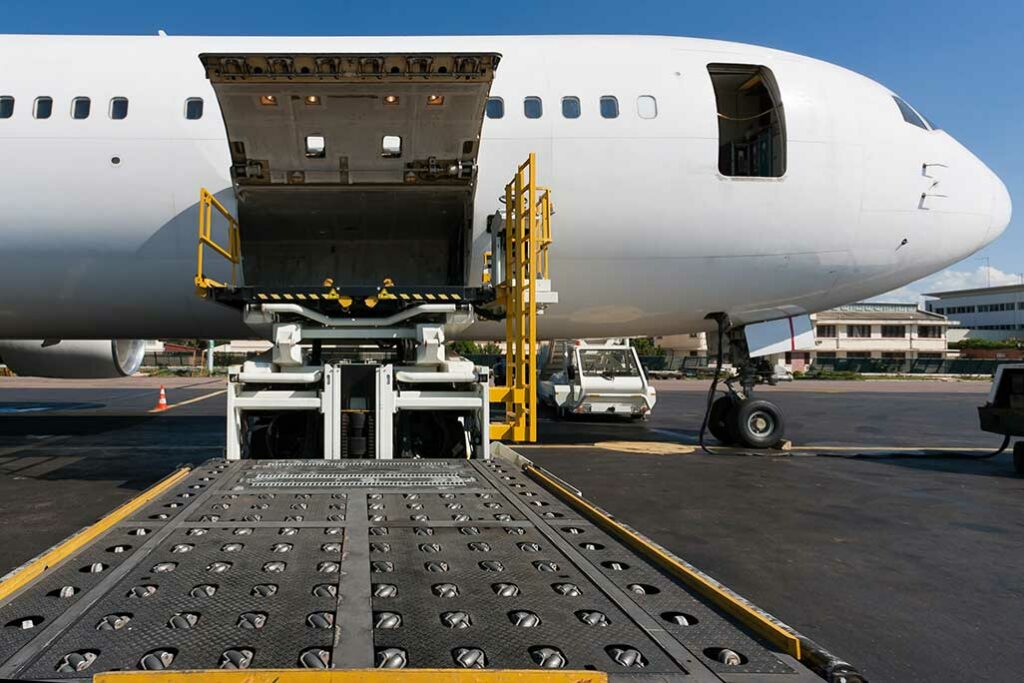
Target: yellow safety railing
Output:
{"points": [[233, 252], [527, 237], [544, 240]]}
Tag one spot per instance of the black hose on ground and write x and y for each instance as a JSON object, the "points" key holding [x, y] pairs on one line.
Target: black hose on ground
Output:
{"points": [[925, 455], [719, 360]]}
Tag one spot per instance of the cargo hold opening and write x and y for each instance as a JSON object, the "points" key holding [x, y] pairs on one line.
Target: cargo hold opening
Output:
{"points": [[303, 236], [353, 168]]}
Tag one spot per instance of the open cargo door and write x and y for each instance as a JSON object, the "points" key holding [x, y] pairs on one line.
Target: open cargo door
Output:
{"points": [[353, 167]]}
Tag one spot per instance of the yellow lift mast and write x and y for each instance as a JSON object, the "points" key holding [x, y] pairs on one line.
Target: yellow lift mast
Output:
{"points": [[527, 235]]}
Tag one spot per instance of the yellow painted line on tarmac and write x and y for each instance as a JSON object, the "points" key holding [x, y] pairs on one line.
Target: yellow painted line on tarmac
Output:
{"points": [[663, 448], [197, 399]]}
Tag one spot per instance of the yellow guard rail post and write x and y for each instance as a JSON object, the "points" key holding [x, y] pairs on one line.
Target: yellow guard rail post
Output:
{"points": [[233, 252], [527, 236]]}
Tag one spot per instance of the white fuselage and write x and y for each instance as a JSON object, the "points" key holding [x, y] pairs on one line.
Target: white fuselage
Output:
{"points": [[649, 237]]}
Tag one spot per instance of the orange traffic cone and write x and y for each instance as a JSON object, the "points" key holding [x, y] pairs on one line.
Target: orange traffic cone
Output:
{"points": [[161, 403]]}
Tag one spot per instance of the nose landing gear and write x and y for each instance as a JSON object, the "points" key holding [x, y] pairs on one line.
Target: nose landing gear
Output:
{"points": [[737, 418]]}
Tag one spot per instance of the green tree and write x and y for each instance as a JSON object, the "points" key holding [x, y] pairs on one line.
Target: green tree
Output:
{"points": [[645, 346], [464, 348]]}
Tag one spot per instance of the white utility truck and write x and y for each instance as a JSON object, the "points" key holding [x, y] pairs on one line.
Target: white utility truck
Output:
{"points": [[596, 377]]}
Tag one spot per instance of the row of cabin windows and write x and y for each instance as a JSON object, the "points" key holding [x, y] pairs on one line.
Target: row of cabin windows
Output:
{"points": [[572, 108], [81, 107]]}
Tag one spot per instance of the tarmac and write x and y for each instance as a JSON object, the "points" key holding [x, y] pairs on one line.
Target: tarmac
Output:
{"points": [[881, 534]]}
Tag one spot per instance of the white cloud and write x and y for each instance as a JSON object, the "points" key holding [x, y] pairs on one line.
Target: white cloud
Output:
{"points": [[982, 276]]}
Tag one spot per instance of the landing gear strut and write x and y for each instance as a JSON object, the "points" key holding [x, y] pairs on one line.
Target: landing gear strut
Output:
{"points": [[737, 418]]}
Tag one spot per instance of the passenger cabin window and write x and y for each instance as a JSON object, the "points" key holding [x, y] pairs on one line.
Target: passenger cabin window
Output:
{"points": [[751, 124], [118, 108], [646, 107], [80, 107], [43, 107], [533, 108], [909, 115], [609, 107], [495, 108], [571, 107], [6, 107], [194, 108]]}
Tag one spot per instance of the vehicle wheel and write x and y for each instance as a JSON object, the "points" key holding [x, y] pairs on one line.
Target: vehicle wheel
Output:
{"points": [[758, 424], [1018, 458], [720, 422]]}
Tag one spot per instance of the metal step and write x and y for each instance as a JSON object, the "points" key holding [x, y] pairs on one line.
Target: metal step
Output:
{"points": [[362, 564]]}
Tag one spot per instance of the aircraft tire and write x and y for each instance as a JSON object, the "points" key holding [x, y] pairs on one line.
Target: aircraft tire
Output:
{"points": [[720, 422], [758, 424], [1018, 458]]}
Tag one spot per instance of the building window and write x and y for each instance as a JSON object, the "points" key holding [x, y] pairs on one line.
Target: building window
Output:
{"points": [[825, 355], [119, 108], [43, 107], [533, 108], [609, 107], [928, 355], [495, 108], [859, 331], [646, 107], [826, 331], [894, 331], [751, 125], [858, 354], [6, 107], [929, 331], [194, 108], [80, 107], [894, 355], [571, 107]]}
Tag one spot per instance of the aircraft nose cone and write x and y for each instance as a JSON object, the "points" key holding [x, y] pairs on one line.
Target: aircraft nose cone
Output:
{"points": [[1002, 208]]}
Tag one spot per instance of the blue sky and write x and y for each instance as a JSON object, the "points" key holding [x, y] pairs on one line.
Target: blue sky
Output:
{"points": [[958, 62]]}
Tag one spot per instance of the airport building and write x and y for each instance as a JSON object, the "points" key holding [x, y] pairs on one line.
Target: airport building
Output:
{"points": [[891, 331], [995, 313]]}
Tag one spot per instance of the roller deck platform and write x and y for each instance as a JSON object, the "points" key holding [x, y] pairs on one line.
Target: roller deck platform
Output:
{"points": [[426, 564]]}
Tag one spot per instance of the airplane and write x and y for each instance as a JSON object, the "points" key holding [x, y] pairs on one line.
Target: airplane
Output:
{"points": [[698, 183]]}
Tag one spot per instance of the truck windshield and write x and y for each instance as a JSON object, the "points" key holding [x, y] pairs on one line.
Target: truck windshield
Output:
{"points": [[608, 363]]}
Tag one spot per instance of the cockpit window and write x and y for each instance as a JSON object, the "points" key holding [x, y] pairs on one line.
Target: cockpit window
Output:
{"points": [[909, 115]]}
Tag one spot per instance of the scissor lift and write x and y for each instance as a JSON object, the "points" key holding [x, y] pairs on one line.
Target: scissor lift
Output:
{"points": [[370, 143]]}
